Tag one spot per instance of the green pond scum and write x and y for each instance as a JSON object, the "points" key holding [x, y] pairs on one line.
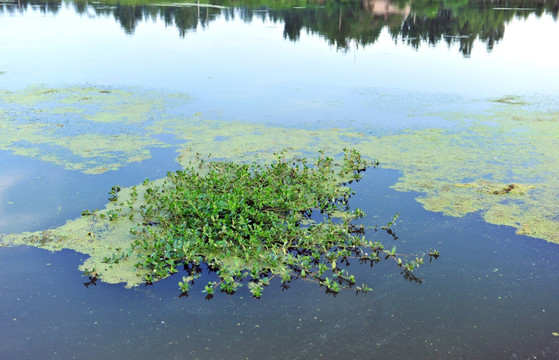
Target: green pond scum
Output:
{"points": [[98, 234], [500, 161], [90, 129]]}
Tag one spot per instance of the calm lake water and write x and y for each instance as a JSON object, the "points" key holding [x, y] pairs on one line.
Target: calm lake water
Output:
{"points": [[369, 66]]}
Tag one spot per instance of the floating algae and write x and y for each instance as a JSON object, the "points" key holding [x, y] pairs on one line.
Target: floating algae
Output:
{"points": [[468, 168], [511, 99], [102, 235], [240, 141], [89, 129], [472, 169], [502, 162]]}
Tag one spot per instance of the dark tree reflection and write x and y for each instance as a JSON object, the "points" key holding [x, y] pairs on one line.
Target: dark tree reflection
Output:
{"points": [[341, 23]]}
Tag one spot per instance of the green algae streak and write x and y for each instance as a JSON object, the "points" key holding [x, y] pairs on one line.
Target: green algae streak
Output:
{"points": [[96, 234], [457, 171], [89, 129], [501, 162]]}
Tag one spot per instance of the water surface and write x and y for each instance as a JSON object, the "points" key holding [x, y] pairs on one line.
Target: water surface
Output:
{"points": [[376, 68]]}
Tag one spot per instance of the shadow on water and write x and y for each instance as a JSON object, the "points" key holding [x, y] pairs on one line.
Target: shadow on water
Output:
{"points": [[491, 295]]}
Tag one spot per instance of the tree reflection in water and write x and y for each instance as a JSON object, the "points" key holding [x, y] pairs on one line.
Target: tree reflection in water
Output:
{"points": [[340, 23]]}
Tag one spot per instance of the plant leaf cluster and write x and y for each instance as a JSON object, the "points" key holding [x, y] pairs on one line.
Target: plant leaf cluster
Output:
{"points": [[249, 223]]}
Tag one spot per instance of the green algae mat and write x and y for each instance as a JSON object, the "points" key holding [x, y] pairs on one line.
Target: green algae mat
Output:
{"points": [[500, 160]]}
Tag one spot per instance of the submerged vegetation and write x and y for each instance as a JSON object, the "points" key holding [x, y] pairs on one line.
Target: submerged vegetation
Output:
{"points": [[249, 223]]}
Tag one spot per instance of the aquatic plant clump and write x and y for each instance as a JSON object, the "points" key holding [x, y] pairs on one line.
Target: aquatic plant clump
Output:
{"points": [[251, 222], [459, 170]]}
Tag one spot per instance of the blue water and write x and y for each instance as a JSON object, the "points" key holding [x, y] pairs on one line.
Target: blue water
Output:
{"points": [[491, 295]]}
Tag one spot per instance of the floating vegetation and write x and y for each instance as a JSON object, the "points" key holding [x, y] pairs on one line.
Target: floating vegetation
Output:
{"points": [[90, 129], [248, 223], [456, 171], [100, 234], [253, 222], [513, 100], [464, 168]]}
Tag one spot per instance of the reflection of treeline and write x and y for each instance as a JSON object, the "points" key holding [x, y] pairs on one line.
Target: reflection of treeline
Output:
{"points": [[455, 21], [340, 22]]}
